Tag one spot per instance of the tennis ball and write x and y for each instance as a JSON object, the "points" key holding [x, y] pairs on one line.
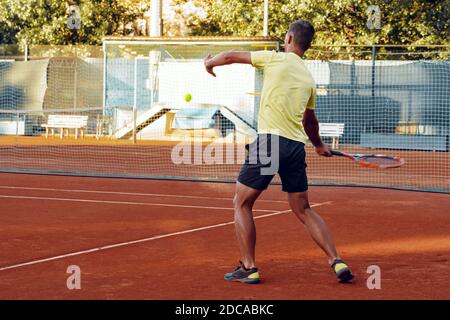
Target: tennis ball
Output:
{"points": [[187, 97]]}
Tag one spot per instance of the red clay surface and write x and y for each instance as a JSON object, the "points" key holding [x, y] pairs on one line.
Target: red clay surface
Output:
{"points": [[407, 234]]}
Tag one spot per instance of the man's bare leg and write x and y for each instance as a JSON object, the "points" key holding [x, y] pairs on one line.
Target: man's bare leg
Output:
{"points": [[244, 200], [320, 233], [315, 225]]}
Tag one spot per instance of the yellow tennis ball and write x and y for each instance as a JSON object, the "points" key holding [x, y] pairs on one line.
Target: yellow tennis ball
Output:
{"points": [[187, 97]]}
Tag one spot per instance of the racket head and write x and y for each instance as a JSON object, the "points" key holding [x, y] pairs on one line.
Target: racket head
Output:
{"points": [[379, 161], [375, 161]]}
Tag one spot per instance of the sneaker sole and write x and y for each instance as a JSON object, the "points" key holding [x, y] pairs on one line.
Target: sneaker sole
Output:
{"points": [[245, 280], [345, 276], [249, 281]]}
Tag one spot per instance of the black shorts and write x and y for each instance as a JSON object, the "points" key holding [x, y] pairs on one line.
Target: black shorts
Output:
{"points": [[271, 154]]}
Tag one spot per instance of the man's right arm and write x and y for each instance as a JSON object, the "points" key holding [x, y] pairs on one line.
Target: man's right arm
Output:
{"points": [[224, 58], [311, 126]]}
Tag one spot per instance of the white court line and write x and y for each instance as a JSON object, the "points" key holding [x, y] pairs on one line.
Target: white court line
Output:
{"points": [[129, 193], [123, 244], [126, 202]]}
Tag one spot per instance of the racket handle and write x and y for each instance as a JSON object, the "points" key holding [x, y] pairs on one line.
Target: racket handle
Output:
{"points": [[336, 153]]}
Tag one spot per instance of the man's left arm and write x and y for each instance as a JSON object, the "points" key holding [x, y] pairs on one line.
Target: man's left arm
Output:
{"points": [[311, 126], [224, 58]]}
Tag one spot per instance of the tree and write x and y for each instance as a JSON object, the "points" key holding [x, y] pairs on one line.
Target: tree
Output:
{"points": [[7, 34], [45, 21], [343, 22], [184, 16]]}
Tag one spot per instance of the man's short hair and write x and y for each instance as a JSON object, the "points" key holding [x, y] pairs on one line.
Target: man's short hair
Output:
{"points": [[303, 32]]}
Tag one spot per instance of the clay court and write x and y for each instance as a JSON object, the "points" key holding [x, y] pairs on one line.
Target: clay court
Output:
{"points": [[152, 239], [124, 126]]}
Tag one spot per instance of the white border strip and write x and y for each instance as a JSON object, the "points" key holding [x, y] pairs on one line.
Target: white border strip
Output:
{"points": [[123, 244], [125, 203], [130, 193]]}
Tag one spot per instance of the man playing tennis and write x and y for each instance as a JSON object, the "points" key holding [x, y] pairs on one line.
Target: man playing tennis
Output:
{"points": [[286, 121]]}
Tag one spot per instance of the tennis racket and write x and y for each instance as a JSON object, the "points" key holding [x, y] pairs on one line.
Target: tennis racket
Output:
{"points": [[376, 161]]}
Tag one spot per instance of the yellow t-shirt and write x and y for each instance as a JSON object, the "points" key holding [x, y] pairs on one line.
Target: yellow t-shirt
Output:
{"points": [[288, 89]]}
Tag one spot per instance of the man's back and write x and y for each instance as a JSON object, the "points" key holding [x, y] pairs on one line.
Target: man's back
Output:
{"points": [[288, 90]]}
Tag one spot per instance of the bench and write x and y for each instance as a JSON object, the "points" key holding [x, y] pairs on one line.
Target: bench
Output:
{"points": [[64, 123], [334, 130]]}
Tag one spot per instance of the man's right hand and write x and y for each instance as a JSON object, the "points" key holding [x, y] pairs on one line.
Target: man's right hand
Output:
{"points": [[209, 66], [323, 150]]}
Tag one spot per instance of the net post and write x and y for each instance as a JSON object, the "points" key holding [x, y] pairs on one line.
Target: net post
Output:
{"points": [[25, 49], [75, 81], [104, 78], [135, 100], [17, 124], [374, 57]]}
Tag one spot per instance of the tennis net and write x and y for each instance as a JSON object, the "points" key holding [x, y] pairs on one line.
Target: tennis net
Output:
{"points": [[120, 116]]}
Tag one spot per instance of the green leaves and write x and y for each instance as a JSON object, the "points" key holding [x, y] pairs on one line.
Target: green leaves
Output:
{"points": [[45, 21], [340, 22]]}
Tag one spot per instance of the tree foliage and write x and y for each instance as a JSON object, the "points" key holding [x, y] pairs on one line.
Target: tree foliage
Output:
{"points": [[185, 16], [343, 22], [45, 21]]}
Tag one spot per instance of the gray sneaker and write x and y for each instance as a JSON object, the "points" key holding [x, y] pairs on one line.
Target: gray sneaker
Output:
{"points": [[242, 274]]}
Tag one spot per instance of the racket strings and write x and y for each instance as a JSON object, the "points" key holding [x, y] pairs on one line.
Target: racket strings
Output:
{"points": [[384, 162]]}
